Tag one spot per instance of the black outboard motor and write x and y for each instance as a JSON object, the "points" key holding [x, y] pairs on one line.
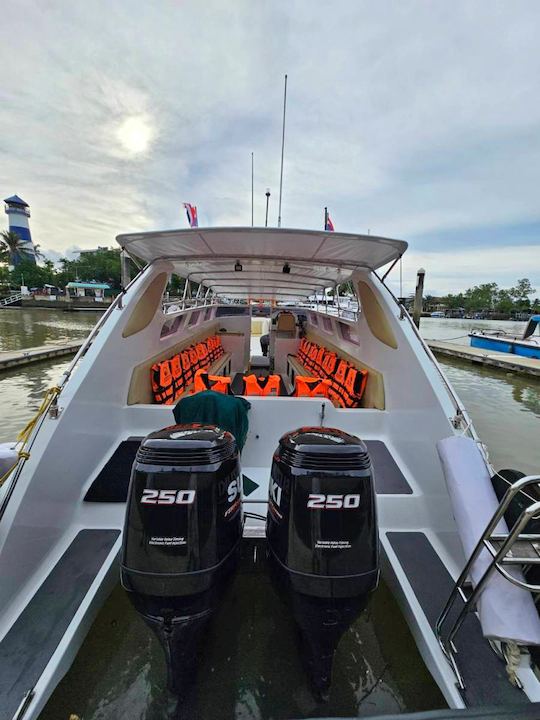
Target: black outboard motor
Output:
{"points": [[322, 537], [182, 534]]}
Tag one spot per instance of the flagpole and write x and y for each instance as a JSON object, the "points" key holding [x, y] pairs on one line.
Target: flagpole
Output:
{"points": [[282, 151], [326, 218], [251, 189]]}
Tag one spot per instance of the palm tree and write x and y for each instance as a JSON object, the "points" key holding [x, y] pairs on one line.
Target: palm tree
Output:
{"points": [[13, 248], [37, 252]]}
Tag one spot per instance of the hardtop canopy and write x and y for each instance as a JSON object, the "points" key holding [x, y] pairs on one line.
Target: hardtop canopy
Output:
{"points": [[275, 263]]}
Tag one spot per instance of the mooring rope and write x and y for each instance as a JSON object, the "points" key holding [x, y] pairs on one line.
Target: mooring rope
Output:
{"points": [[25, 433]]}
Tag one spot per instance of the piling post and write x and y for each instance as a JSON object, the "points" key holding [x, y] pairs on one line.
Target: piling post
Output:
{"points": [[417, 309]]}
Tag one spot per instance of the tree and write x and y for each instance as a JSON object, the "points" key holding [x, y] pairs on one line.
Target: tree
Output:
{"points": [[481, 297], [102, 265], [520, 293], [32, 274], [504, 304], [12, 248], [453, 302]]}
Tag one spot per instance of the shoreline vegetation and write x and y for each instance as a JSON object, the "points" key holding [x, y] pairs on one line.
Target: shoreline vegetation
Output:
{"points": [[487, 302]]}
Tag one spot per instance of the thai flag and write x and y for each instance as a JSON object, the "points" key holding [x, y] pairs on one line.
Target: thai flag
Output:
{"points": [[329, 224], [191, 212]]}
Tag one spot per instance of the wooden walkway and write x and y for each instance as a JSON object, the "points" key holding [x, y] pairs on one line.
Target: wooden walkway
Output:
{"points": [[26, 356], [479, 356]]}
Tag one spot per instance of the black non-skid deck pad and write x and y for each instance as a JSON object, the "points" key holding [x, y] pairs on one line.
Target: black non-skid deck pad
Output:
{"points": [[31, 642], [111, 485], [389, 480], [484, 674]]}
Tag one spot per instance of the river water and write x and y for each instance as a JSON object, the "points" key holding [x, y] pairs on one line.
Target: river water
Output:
{"points": [[250, 669]]}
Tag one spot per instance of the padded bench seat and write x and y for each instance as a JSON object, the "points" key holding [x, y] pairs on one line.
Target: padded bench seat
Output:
{"points": [[373, 396], [140, 386]]}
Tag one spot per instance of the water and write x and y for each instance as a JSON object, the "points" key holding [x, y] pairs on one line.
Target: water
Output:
{"points": [[504, 407], [22, 389], [250, 668]]}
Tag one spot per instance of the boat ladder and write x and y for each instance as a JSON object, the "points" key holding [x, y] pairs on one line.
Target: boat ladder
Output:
{"points": [[11, 299], [513, 548]]}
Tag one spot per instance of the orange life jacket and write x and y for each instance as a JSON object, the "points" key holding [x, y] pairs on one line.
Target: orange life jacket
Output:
{"points": [[312, 357], [319, 359], [311, 386], [177, 374], [355, 384], [194, 358], [269, 385], [162, 382], [202, 354], [307, 349], [302, 349], [337, 390], [329, 363], [186, 367], [219, 347], [211, 344], [218, 383]]}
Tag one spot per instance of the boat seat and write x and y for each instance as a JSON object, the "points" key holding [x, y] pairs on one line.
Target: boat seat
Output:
{"points": [[286, 324], [140, 386], [373, 396]]}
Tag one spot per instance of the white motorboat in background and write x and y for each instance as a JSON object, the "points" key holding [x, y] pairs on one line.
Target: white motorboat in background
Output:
{"points": [[378, 405]]}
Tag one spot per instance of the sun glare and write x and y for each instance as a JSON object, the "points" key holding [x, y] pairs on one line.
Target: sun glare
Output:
{"points": [[135, 134]]}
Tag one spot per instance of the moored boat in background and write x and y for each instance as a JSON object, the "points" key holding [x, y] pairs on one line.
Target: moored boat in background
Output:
{"points": [[528, 345]]}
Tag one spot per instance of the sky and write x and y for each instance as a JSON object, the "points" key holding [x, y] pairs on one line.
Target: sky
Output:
{"points": [[413, 119]]}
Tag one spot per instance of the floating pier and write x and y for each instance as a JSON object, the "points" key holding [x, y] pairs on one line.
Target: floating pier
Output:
{"points": [[26, 356], [478, 356]]}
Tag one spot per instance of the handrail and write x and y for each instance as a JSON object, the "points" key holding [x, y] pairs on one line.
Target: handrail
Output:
{"points": [[497, 557], [11, 299]]}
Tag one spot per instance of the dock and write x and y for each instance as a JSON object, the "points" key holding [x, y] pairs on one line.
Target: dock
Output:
{"points": [[479, 356], [25, 356]]}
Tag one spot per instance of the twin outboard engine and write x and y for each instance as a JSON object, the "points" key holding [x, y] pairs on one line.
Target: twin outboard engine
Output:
{"points": [[322, 537], [182, 535]]}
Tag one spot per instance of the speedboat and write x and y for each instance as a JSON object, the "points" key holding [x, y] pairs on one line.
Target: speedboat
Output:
{"points": [[348, 455], [528, 345]]}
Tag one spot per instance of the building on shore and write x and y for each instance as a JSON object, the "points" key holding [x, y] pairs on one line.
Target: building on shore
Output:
{"points": [[18, 212]]}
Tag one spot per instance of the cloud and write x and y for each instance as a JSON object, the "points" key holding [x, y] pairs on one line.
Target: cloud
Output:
{"points": [[416, 120]]}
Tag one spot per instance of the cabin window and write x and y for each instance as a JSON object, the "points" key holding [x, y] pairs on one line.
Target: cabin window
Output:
{"points": [[208, 313], [194, 318], [347, 334], [232, 310], [327, 324], [313, 319], [171, 326]]}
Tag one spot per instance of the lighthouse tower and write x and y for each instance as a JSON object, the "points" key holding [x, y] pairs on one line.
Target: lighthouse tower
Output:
{"points": [[18, 212]]}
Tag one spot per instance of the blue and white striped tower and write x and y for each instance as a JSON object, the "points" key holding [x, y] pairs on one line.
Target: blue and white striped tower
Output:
{"points": [[19, 212]]}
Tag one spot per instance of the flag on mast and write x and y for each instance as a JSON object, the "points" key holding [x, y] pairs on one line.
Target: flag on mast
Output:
{"points": [[191, 211], [329, 224]]}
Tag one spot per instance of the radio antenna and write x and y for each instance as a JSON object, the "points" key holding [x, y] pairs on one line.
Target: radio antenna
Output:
{"points": [[251, 189], [282, 151]]}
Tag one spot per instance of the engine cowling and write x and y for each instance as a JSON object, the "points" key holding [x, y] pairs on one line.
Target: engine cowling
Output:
{"points": [[182, 534], [322, 537]]}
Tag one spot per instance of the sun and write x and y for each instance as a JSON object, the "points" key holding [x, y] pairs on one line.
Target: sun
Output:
{"points": [[135, 134]]}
